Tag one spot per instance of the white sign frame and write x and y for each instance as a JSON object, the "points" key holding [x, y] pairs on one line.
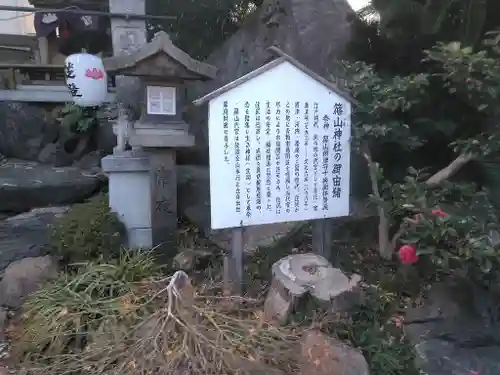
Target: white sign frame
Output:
{"points": [[284, 83], [162, 94]]}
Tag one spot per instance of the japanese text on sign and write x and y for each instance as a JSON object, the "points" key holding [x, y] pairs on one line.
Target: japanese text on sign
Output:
{"points": [[289, 160], [279, 153]]}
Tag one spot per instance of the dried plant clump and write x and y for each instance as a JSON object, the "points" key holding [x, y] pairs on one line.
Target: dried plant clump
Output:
{"points": [[162, 326]]}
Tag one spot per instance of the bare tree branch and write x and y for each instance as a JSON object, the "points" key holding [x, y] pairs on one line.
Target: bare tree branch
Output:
{"points": [[383, 225], [450, 169]]}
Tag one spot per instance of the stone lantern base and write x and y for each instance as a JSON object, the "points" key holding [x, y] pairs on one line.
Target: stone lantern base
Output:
{"points": [[130, 194]]}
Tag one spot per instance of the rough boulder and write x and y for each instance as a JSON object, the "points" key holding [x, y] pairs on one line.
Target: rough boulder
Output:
{"points": [[315, 32], [25, 185]]}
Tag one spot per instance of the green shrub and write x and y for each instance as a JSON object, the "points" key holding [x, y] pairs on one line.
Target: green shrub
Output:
{"points": [[96, 301], [433, 175], [376, 330], [78, 120], [89, 231]]}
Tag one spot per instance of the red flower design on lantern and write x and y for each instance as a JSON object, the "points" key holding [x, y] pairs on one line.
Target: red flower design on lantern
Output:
{"points": [[94, 73], [408, 254], [439, 212]]}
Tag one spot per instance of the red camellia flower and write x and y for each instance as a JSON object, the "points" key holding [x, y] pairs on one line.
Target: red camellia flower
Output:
{"points": [[408, 254], [439, 213]]}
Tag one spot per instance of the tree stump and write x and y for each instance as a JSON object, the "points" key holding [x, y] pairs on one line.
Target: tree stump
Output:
{"points": [[298, 274]]}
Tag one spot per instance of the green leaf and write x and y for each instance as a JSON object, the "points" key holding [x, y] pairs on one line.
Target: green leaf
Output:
{"points": [[426, 251], [411, 239]]}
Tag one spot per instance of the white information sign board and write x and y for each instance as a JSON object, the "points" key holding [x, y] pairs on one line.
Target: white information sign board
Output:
{"points": [[279, 150]]}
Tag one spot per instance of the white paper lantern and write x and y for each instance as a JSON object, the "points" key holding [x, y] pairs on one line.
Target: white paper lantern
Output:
{"points": [[86, 79]]}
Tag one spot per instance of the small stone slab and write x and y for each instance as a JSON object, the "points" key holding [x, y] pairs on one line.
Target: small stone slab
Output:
{"points": [[193, 191], [25, 185]]}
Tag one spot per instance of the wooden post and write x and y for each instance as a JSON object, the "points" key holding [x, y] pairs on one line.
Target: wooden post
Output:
{"points": [[43, 50], [236, 261], [322, 237]]}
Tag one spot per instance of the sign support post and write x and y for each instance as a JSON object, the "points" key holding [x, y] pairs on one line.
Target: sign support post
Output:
{"points": [[280, 147], [322, 237], [236, 263]]}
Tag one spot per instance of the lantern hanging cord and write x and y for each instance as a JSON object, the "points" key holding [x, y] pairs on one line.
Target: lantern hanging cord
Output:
{"points": [[36, 11], [75, 10]]}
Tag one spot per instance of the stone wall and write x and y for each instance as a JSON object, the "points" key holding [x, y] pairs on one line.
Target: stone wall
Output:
{"points": [[313, 31], [30, 131]]}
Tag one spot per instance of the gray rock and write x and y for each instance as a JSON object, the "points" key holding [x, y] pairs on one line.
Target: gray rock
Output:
{"points": [[193, 194], [26, 129], [25, 185], [323, 355], [24, 277], [49, 153], [457, 331], [54, 154], [106, 139], [315, 32], [90, 162], [189, 259], [30, 131], [26, 235]]}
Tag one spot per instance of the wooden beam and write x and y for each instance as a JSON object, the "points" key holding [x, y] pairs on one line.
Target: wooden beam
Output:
{"points": [[32, 66], [43, 94], [125, 16]]}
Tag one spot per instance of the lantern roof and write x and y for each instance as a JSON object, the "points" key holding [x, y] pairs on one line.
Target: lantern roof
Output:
{"points": [[161, 59]]}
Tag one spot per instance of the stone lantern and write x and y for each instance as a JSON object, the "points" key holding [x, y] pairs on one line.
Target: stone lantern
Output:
{"points": [[143, 181]]}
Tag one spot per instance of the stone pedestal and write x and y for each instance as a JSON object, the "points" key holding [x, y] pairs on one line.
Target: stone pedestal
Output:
{"points": [[130, 194]]}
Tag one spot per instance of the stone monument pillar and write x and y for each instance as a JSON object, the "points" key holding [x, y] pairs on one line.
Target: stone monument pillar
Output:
{"points": [[128, 171], [127, 35], [163, 70]]}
